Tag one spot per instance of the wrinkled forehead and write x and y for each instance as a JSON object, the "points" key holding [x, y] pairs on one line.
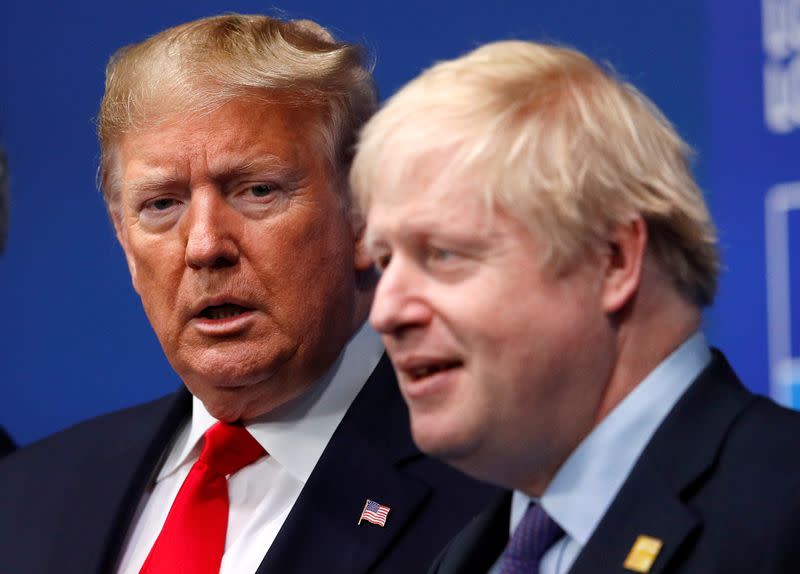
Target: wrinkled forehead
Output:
{"points": [[166, 107], [304, 122]]}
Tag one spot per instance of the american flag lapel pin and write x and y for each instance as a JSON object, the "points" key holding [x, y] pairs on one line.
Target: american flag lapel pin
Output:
{"points": [[374, 512]]}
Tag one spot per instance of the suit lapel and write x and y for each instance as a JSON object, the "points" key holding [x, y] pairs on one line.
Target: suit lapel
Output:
{"points": [[363, 460], [114, 482], [478, 546], [655, 511], [652, 502]]}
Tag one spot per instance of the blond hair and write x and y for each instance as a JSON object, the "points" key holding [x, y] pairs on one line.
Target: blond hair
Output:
{"points": [[556, 141], [199, 66]]}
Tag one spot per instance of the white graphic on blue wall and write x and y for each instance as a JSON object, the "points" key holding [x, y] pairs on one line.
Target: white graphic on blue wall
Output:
{"points": [[783, 271], [781, 34]]}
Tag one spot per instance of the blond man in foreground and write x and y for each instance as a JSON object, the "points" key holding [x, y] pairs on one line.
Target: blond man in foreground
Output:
{"points": [[546, 256]]}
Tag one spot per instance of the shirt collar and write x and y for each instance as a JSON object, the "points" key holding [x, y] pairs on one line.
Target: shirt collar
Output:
{"points": [[587, 483], [296, 433]]}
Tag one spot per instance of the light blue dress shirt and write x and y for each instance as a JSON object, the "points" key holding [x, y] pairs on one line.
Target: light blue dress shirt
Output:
{"points": [[589, 480]]}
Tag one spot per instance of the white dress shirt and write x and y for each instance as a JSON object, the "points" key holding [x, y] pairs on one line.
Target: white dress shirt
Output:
{"points": [[584, 487], [263, 493]]}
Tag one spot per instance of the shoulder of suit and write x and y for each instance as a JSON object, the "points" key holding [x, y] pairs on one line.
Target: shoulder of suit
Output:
{"points": [[94, 434]]}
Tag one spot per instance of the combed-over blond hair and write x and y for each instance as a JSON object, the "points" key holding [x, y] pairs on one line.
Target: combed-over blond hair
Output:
{"points": [[199, 66], [555, 140]]}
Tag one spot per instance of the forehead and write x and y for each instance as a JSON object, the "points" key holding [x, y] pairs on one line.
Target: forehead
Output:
{"points": [[434, 205], [241, 131]]}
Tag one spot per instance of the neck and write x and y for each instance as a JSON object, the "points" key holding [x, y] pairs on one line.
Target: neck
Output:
{"points": [[658, 321]]}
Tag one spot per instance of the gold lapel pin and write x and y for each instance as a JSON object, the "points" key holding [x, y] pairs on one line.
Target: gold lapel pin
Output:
{"points": [[643, 553]]}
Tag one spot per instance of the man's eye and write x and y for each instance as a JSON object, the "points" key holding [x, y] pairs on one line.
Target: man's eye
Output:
{"points": [[438, 255], [160, 204], [382, 261], [261, 190]]}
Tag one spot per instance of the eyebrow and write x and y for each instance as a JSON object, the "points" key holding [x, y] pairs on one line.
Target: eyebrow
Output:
{"points": [[371, 241], [159, 179], [259, 162], [427, 227], [155, 181]]}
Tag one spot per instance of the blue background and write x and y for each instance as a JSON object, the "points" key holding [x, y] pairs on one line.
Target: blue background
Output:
{"points": [[75, 341]]}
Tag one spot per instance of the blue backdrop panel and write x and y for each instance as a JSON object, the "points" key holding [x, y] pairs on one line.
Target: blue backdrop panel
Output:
{"points": [[755, 188], [75, 341]]}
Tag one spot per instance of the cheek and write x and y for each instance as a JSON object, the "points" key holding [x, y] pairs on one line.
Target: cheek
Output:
{"points": [[301, 265], [514, 343], [155, 255], [158, 272], [306, 270], [310, 243]]}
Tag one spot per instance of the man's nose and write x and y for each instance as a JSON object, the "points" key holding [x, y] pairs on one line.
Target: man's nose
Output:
{"points": [[399, 302], [212, 230]]}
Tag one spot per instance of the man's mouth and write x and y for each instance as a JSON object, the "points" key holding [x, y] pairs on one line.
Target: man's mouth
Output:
{"points": [[423, 371], [224, 311]]}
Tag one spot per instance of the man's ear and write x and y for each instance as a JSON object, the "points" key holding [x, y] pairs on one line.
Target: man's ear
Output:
{"points": [[122, 237], [624, 259], [361, 259]]}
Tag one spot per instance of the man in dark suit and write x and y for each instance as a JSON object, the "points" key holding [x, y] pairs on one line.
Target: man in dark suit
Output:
{"points": [[545, 258], [225, 148]]}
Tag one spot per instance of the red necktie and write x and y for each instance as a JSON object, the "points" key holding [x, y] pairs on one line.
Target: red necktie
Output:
{"points": [[192, 540]]}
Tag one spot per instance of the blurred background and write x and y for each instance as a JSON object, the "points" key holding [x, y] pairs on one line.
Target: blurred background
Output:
{"points": [[74, 341]]}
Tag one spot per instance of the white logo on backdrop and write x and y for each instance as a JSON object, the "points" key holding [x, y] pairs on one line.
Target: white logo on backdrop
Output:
{"points": [[781, 36], [781, 201]]}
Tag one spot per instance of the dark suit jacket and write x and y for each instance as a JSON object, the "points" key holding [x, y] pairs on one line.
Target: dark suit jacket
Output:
{"points": [[6, 443], [718, 484], [67, 502]]}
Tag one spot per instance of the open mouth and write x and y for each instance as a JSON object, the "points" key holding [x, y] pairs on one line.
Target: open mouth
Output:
{"points": [[224, 311], [428, 370]]}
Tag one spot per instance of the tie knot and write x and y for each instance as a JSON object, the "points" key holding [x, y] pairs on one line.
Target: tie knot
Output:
{"points": [[229, 447], [533, 537]]}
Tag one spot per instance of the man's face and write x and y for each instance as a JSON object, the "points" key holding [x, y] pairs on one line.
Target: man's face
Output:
{"points": [[502, 363], [240, 249]]}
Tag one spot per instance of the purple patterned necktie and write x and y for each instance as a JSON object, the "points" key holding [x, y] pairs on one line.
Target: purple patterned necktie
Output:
{"points": [[533, 537]]}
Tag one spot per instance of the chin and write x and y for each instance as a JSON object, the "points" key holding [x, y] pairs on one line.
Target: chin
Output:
{"points": [[248, 401], [224, 413], [435, 438], [212, 373], [229, 372], [223, 408], [229, 363]]}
